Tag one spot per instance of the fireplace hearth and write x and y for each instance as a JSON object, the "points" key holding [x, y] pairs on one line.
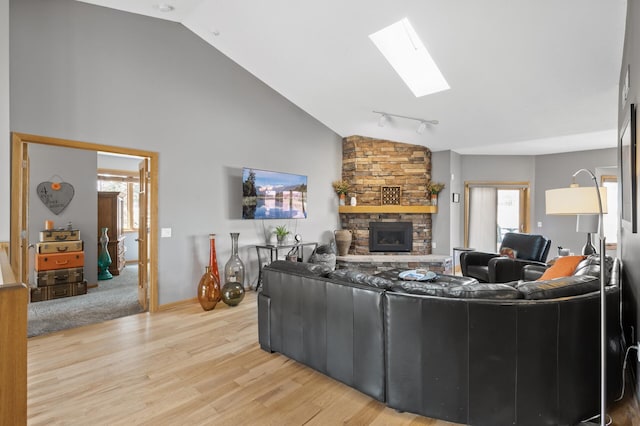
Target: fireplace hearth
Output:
{"points": [[390, 236]]}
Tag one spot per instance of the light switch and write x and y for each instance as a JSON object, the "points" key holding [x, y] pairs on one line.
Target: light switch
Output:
{"points": [[165, 233], [539, 224]]}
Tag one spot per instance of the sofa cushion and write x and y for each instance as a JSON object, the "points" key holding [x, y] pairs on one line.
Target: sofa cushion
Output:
{"points": [[562, 267], [483, 291], [420, 287], [360, 278], [301, 268], [591, 266], [559, 287], [324, 255]]}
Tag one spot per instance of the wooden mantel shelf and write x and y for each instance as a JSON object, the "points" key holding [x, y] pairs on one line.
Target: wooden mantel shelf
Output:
{"points": [[388, 209]]}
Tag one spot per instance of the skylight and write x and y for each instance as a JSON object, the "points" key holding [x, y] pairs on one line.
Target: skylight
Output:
{"points": [[401, 46]]}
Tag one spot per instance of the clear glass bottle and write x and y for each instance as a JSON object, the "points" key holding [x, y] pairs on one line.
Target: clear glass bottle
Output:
{"points": [[233, 289], [234, 268]]}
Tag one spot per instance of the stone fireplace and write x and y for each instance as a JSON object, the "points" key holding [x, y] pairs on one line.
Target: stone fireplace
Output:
{"points": [[371, 164]]}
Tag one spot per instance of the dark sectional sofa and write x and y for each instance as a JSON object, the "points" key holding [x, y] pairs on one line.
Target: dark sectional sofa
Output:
{"points": [[470, 356]]}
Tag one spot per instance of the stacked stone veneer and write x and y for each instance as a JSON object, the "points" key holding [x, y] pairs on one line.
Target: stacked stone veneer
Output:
{"points": [[368, 165]]}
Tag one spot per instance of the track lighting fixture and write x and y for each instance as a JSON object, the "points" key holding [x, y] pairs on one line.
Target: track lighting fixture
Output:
{"points": [[384, 116]]}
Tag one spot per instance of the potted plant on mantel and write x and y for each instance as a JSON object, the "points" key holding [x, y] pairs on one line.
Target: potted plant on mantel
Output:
{"points": [[341, 187], [434, 188]]}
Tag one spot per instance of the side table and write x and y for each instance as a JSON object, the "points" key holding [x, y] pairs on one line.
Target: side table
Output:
{"points": [[274, 251], [459, 249]]}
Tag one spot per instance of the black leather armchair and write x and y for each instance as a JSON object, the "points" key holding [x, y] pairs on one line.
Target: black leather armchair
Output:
{"points": [[492, 268]]}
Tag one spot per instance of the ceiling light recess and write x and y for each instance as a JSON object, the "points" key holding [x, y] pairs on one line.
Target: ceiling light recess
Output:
{"points": [[164, 7], [401, 46], [384, 116]]}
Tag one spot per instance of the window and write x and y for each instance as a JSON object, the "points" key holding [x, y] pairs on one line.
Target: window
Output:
{"points": [[126, 182], [491, 210], [611, 218]]}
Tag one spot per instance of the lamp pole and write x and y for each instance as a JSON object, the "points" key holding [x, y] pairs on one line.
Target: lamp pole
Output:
{"points": [[603, 305]]}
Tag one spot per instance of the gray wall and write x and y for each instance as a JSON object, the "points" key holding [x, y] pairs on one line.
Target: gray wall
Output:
{"points": [[5, 146], [457, 209], [77, 167], [629, 246], [94, 74], [555, 171], [440, 230]]}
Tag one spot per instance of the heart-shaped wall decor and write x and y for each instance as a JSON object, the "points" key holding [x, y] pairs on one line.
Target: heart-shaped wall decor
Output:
{"points": [[55, 195]]}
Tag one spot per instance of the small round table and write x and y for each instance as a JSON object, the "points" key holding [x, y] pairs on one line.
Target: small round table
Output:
{"points": [[460, 249]]}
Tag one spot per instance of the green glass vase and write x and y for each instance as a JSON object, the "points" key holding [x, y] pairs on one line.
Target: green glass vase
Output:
{"points": [[104, 259]]}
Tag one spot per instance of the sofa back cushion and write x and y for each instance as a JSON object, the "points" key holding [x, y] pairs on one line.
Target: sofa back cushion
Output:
{"points": [[301, 268], [559, 287], [591, 266], [356, 277], [483, 291]]}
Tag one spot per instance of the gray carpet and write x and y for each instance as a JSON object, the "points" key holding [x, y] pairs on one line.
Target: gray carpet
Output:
{"points": [[113, 298]]}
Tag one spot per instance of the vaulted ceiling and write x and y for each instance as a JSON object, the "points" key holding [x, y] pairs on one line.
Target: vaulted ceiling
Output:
{"points": [[526, 76]]}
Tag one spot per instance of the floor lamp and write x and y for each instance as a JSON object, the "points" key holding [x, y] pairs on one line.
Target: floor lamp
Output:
{"points": [[577, 200]]}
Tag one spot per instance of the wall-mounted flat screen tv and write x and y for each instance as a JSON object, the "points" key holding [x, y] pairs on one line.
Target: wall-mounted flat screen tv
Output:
{"points": [[273, 195]]}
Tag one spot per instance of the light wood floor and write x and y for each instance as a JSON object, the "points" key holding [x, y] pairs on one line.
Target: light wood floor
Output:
{"points": [[185, 366]]}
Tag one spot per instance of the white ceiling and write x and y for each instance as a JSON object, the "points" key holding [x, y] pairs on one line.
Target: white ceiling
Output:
{"points": [[526, 76]]}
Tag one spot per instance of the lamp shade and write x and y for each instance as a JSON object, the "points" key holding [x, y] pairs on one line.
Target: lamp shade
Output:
{"points": [[587, 223], [575, 200]]}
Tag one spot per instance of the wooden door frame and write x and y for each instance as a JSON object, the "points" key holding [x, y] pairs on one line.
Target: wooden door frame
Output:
{"points": [[19, 201]]}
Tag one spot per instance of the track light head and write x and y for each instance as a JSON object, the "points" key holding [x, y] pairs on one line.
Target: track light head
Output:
{"points": [[384, 117]]}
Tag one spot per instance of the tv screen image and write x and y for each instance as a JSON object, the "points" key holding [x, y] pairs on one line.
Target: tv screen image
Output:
{"points": [[273, 195]]}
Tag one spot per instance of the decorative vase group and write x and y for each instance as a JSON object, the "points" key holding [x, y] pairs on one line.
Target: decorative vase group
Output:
{"points": [[104, 258], [210, 290]]}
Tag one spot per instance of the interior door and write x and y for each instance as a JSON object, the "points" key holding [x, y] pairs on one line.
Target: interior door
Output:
{"points": [[143, 235]]}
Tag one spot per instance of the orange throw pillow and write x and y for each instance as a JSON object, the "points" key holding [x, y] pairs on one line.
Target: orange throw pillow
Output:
{"points": [[563, 267]]}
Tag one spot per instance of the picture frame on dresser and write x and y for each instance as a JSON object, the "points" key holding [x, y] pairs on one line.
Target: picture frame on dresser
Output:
{"points": [[628, 170]]}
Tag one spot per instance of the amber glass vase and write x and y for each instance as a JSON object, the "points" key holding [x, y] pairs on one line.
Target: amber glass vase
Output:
{"points": [[209, 292], [213, 262], [209, 288]]}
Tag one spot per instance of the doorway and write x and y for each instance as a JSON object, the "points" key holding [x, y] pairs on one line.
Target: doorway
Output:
{"points": [[493, 209], [19, 246]]}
